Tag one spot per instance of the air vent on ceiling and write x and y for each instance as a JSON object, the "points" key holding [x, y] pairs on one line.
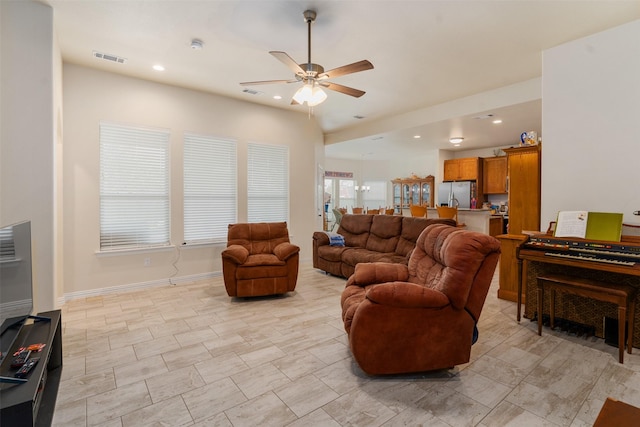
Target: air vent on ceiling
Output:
{"points": [[251, 91], [109, 57], [483, 116]]}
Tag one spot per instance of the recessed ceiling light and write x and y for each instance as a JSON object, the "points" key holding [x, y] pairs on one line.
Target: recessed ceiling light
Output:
{"points": [[416, 136], [277, 97], [456, 140], [497, 121], [158, 67]]}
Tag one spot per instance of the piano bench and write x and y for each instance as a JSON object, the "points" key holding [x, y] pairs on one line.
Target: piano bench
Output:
{"points": [[622, 295]]}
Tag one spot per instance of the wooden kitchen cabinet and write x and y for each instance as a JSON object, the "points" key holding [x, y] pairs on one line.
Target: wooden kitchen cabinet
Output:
{"points": [[523, 169], [494, 170], [496, 226], [465, 169], [509, 267]]}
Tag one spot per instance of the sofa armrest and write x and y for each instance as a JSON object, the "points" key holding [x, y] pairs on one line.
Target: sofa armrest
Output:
{"points": [[406, 295], [285, 250], [320, 238], [369, 273], [236, 253]]}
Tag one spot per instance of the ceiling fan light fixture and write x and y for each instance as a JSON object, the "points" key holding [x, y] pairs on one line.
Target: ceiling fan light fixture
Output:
{"points": [[310, 94], [312, 75]]}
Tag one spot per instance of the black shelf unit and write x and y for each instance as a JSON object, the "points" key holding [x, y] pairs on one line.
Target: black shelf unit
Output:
{"points": [[32, 403]]}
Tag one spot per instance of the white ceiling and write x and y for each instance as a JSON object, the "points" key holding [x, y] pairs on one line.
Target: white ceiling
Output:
{"points": [[425, 53]]}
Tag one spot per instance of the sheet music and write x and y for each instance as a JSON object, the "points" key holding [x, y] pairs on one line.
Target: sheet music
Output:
{"points": [[572, 224]]}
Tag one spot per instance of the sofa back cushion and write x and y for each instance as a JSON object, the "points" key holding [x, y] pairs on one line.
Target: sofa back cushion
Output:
{"points": [[355, 229], [384, 233], [448, 259], [258, 238], [411, 229]]}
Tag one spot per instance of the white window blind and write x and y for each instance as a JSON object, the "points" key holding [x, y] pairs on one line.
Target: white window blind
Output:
{"points": [[134, 187], [268, 183], [210, 197]]}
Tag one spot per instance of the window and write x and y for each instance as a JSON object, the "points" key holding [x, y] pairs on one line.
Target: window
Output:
{"points": [[268, 183], [376, 195], [346, 193], [209, 188], [134, 187]]}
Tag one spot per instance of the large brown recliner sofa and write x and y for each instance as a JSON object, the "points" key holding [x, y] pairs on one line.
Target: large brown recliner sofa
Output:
{"points": [[369, 238], [421, 316]]}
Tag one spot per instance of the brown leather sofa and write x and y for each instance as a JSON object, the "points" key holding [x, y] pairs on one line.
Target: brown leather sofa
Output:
{"points": [[421, 316], [369, 238], [259, 260]]}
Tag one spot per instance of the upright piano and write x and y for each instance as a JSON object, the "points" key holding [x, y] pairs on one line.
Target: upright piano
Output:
{"points": [[605, 261]]}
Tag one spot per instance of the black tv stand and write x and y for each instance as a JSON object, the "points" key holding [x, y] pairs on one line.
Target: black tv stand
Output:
{"points": [[32, 403]]}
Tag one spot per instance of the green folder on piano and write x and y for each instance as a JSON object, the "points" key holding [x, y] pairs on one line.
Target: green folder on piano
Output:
{"points": [[589, 225]]}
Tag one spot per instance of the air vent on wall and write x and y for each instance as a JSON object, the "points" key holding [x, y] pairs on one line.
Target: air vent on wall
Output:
{"points": [[109, 57]]}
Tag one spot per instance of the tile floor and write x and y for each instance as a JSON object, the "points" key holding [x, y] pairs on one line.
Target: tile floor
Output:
{"points": [[188, 355]]}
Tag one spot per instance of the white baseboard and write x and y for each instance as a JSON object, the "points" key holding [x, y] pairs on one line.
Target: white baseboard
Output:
{"points": [[136, 286]]}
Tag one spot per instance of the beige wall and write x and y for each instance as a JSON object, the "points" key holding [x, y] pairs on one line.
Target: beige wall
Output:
{"points": [[590, 110], [91, 96], [28, 73]]}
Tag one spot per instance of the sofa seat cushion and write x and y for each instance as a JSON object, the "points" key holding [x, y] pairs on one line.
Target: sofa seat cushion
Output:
{"points": [[262, 260], [359, 255], [333, 253], [393, 258]]}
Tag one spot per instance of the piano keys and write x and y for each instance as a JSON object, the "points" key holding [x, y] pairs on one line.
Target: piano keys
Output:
{"points": [[622, 253]]}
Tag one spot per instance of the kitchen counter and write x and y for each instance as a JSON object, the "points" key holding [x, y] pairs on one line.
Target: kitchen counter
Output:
{"points": [[475, 219]]}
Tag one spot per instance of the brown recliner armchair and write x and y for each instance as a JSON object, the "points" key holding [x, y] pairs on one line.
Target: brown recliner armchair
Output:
{"points": [[259, 260], [423, 316]]}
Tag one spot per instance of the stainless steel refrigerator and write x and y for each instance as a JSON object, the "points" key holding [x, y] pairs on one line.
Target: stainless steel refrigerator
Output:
{"points": [[457, 194]]}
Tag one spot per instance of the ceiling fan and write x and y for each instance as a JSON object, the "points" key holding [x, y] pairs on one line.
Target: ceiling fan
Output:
{"points": [[313, 75]]}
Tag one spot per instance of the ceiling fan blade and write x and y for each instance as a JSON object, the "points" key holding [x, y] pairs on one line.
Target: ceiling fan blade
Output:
{"points": [[343, 89], [266, 82], [288, 61], [347, 69]]}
